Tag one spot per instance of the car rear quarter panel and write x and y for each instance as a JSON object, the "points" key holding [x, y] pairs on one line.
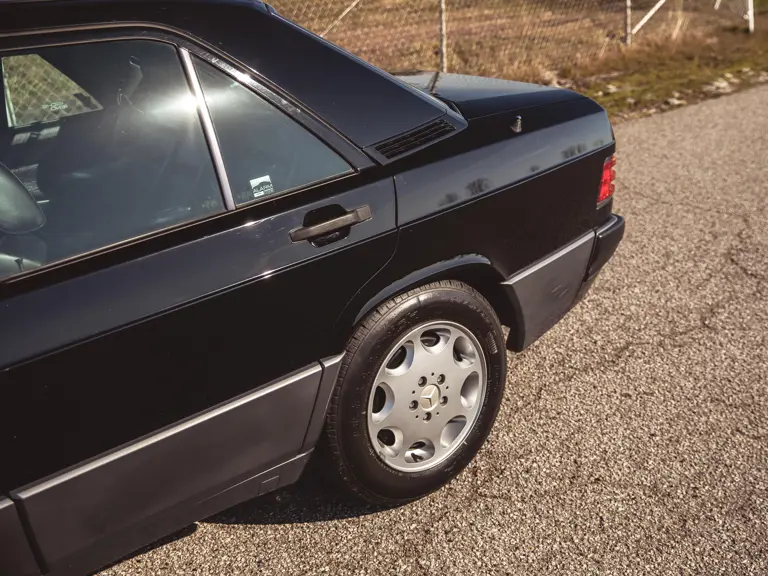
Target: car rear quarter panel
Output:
{"points": [[497, 167], [481, 213]]}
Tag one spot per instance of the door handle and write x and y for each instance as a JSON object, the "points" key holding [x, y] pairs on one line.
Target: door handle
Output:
{"points": [[354, 216]]}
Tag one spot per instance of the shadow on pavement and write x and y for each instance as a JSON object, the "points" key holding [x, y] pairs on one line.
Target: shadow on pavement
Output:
{"points": [[311, 499], [178, 535]]}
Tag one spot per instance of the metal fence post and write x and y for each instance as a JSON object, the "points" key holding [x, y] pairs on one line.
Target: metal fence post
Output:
{"points": [[628, 24], [443, 39], [340, 18]]}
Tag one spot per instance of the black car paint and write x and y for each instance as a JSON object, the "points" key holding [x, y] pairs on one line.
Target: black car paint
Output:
{"points": [[490, 168], [248, 295], [17, 558], [189, 462], [487, 239], [105, 355], [476, 97]]}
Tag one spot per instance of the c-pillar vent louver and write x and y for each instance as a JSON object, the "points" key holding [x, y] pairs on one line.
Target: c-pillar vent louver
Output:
{"points": [[410, 141]]}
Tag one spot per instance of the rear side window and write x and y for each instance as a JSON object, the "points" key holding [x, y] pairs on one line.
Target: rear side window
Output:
{"points": [[99, 143], [265, 152]]}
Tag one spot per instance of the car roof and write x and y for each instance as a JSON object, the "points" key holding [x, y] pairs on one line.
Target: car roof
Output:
{"points": [[360, 101]]}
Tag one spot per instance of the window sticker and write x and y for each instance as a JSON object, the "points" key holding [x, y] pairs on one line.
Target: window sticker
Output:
{"points": [[262, 186]]}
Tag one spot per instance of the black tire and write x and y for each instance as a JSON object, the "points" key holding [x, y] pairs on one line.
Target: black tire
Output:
{"points": [[355, 460]]}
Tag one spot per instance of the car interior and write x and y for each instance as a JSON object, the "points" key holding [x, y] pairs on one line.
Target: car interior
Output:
{"points": [[107, 144]]}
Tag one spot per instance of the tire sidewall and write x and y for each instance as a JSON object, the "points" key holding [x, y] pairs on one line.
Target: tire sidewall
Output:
{"points": [[439, 304]]}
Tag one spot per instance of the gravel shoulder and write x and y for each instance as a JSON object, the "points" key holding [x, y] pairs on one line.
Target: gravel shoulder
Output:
{"points": [[633, 437]]}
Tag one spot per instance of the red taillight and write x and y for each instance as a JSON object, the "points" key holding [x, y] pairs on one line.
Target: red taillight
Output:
{"points": [[607, 187]]}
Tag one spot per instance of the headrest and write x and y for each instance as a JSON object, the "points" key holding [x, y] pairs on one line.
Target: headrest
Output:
{"points": [[19, 213]]}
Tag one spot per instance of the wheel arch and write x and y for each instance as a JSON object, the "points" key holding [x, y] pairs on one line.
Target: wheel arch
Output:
{"points": [[474, 270]]}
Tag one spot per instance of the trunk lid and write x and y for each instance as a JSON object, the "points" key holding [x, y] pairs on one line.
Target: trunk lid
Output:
{"points": [[475, 96]]}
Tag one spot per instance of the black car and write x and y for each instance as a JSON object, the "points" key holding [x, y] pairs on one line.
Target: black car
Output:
{"points": [[225, 241]]}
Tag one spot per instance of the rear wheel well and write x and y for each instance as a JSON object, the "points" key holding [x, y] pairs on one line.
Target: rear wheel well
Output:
{"points": [[482, 277], [488, 282]]}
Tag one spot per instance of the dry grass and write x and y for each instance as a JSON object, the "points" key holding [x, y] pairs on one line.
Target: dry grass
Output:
{"points": [[643, 79]]}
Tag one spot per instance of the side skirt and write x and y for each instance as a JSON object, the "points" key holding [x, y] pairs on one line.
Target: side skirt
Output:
{"points": [[98, 511]]}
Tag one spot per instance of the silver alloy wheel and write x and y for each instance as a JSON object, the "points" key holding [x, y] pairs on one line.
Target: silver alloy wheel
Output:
{"points": [[426, 396]]}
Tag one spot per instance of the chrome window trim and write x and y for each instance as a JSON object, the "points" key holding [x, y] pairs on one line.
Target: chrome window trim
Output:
{"points": [[126, 242], [208, 129], [143, 30], [31, 40], [281, 105]]}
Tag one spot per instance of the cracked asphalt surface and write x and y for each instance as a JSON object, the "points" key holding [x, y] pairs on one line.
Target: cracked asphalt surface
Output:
{"points": [[633, 437]]}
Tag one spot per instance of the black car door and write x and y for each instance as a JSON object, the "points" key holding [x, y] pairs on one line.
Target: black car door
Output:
{"points": [[163, 276]]}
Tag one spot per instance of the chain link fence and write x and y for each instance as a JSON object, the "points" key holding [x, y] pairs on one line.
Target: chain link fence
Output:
{"points": [[497, 37], [35, 91]]}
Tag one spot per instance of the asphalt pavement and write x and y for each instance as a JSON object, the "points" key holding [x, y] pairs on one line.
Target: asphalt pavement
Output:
{"points": [[633, 438]]}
